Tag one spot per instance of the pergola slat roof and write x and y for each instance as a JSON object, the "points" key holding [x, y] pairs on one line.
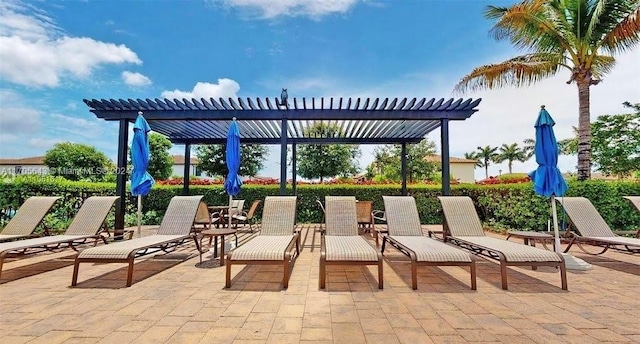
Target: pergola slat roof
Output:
{"points": [[261, 121], [369, 121]]}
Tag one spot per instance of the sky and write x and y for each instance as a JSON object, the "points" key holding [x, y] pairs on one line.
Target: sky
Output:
{"points": [[54, 54]]}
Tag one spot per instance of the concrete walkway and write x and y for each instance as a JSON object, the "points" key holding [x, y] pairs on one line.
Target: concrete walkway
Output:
{"points": [[176, 300]]}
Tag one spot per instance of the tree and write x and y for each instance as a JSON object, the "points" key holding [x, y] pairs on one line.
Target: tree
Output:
{"points": [[326, 160], [388, 160], [76, 161], [615, 141], [616, 144], [212, 159], [511, 153], [555, 34], [473, 156], [529, 146], [486, 155], [160, 162]]}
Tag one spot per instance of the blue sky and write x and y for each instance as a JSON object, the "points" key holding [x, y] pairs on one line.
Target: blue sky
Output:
{"points": [[55, 53]]}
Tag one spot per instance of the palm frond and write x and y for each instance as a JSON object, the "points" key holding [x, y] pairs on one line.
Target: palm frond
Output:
{"points": [[531, 25], [519, 71], [601, 65], [626, 34]]}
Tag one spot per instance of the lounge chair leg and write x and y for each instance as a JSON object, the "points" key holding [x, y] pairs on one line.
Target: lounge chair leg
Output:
{"points": [[285, 279], [503, 274], [570, 244], [130, 272], [2, 261], [472, 267], [380, 274], [322, 276], [74, 278], [384, 243], [414, 274], [228, 274], [563, 276]]}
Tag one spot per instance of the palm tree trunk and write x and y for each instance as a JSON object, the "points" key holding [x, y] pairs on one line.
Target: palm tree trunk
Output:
{"points": [[510, 165], [584, 129], [486, 171]]}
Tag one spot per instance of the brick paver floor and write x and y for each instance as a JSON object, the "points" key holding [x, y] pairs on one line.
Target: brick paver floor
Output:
{"points": [[176, 300]]}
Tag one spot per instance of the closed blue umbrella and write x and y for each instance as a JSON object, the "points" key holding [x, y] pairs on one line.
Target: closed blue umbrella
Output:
{"points": [[547, 178], [233, 183], [141, 180]]}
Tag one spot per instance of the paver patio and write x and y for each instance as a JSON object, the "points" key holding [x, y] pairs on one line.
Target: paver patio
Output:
{"points": [[175, 300]]}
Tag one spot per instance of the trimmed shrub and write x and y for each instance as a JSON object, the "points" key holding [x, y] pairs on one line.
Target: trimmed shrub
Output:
{"points": [[501, 206]]}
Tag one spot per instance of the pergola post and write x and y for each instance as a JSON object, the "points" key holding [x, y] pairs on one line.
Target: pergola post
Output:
{"points": [[121, 178], [403, 168], [283, 157], [444, 146], [294, 171], [187, 169]]}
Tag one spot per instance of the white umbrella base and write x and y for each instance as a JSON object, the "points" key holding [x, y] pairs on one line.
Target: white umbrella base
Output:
{"points": [[573, 263]]}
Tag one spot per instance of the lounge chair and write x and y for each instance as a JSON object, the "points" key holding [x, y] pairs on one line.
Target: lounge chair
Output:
{"points": [[27, 218], [85, 227], [341, 244], [635, 200], [275, 242], [405, 234], [203, 217], [462, 227], [592, 229], [174, 230], [248, 217]]}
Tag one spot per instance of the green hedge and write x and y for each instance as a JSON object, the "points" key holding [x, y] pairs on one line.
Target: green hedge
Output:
{"points": [[506, 206]]}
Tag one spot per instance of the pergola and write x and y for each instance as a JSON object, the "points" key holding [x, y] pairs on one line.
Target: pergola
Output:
{"points": [[261, 121]]}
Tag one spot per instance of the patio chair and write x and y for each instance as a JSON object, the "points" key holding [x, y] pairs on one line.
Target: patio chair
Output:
{"points": [[247, 217], [635, 200], [462, 227], [203, 218], [592, 229], [174, 230], [341, 244], [276, 240], [405, 234], [86, 226], [27, 218], [364, 209]]}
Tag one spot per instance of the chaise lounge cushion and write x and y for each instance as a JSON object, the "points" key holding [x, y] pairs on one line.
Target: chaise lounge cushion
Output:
{"points": [[263, 247], [122, 249], [512, 251], [429, 250], [349, 248]]}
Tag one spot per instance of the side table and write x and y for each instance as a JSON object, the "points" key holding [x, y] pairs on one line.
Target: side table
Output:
{"points": [[214, 234]]}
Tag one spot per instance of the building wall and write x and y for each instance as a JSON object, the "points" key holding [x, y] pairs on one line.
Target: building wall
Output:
{"points": [[463, 171]]}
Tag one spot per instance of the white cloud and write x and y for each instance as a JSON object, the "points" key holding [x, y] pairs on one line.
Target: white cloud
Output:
{"points": [[75, 126], [225, 88], [16, 119], [34, 52], [135, 79], [44, 144], [274, 8]]}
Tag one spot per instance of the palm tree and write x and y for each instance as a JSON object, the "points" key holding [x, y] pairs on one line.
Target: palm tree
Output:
{"points": [[529, 147], [473, 156], [486, 155], [579, 35], [511, 153]]}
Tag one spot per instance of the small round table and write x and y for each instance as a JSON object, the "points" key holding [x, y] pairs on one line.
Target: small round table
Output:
{"points": [[214, 234]]}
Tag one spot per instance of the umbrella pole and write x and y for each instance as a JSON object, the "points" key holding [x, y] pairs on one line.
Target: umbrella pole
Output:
{"points": [[229, 211], [556, 233], [139, 213]]}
